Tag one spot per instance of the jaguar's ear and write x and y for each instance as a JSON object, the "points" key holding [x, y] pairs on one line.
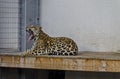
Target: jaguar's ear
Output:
{"points": [[40, 27]]}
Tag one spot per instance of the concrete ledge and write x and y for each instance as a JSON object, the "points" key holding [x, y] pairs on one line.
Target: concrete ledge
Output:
{"points": [[86, 61]]}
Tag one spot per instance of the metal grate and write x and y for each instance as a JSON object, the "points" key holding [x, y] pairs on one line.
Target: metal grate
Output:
{"points": [[14, 16], [9, 23]]}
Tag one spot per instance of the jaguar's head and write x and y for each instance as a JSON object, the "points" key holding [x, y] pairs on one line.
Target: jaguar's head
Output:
{"points": [[33, 30]]}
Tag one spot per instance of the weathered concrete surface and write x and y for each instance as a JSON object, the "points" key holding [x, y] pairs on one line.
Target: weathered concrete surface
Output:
{"points": [[86, 61]]}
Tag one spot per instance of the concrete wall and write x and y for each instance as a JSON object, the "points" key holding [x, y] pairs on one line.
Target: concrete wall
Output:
{"points": [[93, 24]]}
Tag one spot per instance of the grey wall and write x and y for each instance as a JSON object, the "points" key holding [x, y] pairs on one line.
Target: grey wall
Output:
{"points": [[93, 24]]}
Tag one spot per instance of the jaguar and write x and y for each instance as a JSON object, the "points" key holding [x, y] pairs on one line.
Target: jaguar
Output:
{"points": [[47, 45]]}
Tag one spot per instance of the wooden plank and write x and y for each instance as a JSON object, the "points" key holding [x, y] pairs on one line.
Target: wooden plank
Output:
{"points": [[86, 61]]}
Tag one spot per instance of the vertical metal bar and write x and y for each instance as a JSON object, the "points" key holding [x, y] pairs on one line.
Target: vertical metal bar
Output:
{"points": [[38, 12], [22, 32], [25, 24], [19, 29]]}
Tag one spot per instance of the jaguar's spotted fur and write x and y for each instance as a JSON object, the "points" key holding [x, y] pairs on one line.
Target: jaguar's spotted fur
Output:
{"points": [[46, 45]]}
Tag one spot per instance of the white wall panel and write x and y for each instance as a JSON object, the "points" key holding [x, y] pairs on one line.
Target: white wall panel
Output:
{"points": [[93, 24]]}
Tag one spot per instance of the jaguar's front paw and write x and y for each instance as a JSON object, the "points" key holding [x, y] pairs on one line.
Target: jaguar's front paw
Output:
{"points": [[24, 53]]}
